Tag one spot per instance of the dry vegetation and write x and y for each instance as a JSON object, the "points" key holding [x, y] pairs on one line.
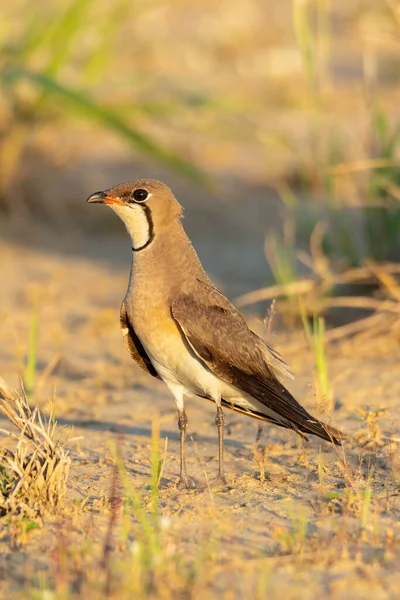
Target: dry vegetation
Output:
{"points": [[290, 112], [33, 475]]}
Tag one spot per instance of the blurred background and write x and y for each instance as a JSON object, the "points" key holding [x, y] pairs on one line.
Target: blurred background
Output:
{"points": [[277, 119]]}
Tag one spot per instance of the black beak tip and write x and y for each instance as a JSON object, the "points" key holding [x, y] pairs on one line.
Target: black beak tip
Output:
{"points": [[98, 197]]}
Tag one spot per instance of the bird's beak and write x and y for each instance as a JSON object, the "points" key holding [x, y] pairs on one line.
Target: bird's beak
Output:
{"points": [[97, 197], [103, 198]]}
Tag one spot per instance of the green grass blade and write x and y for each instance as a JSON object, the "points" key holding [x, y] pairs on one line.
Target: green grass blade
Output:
{"points": [[281, 259], [106, 33], [52, 33], [320, 357], [149, 526], [30, 371], [80, 103], [155, 464], [305, 39], [33, 38], [67, 28]]}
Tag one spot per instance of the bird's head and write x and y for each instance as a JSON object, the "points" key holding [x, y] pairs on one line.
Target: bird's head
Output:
{"points": [[146, 206]]}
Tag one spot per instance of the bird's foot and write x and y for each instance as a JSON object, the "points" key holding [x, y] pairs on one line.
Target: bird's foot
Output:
{"points": [[220, 480], [186, 483]]}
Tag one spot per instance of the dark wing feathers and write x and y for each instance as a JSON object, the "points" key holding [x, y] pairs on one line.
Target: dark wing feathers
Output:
{"points": [[135, 346], [219, 335]]}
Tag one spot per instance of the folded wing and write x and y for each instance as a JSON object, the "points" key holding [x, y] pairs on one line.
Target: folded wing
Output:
{"points": [[219, 336], [135, 347]]}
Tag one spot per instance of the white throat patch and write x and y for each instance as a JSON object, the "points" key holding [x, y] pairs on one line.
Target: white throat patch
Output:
{"points": [[136, 222]]}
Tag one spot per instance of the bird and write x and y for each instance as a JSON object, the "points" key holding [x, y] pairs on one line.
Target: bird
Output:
{"points": [[181, 329]]}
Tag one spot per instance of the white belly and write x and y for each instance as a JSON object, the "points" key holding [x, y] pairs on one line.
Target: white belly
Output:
{"points": [[195, 378], [190, 377]]}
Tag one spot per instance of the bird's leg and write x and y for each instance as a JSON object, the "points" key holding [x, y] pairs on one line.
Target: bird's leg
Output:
{"points": [[178, 392], [220, 422], [184, 480], [258, 434], [182, 424]]}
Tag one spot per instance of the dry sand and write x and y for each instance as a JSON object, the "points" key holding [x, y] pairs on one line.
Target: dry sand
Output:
{"points": [[301, 533]]}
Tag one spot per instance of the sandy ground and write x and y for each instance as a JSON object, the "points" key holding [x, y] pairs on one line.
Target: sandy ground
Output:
{"points": [[260, 548]]}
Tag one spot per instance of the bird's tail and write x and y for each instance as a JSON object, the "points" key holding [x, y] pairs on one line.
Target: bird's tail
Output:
{"points": [[323, 431], [307, 425]]}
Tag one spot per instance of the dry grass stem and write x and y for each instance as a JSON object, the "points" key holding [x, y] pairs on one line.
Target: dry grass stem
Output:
{"points": [[367, 326], [34, 473], [361, 165], [315, 294], [368, 274]]}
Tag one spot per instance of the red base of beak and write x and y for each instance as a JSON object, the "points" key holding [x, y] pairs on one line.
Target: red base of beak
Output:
{"points": [[110, 200]]}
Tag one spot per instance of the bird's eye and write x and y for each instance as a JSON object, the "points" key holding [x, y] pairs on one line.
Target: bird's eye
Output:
{"points": [[140, 195]]}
